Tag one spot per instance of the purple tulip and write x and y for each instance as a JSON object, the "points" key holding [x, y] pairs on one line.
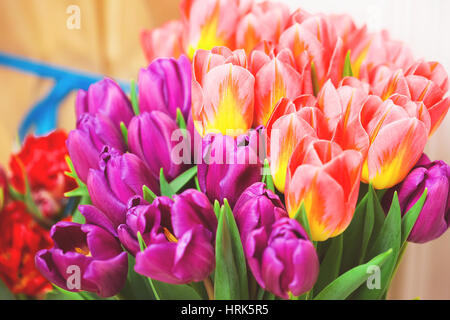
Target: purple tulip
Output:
{"points": [[107, 98], [229, 166], [150, 137], [146, 219], [182, 251], [88, 251], [165, 86], [119, 179], [434, 219], [282, 258], [86, 143], [95, 216], [257, 207]]}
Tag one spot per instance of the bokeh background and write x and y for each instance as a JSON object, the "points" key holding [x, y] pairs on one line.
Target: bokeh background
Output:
{"points": [[108, 43]]}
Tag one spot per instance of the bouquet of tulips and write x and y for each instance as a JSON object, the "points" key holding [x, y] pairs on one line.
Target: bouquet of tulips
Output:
{"points": [[263, 154]]}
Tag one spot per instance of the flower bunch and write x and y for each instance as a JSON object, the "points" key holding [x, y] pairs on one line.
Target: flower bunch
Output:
{"points": [[32, 200], [252, 156]]}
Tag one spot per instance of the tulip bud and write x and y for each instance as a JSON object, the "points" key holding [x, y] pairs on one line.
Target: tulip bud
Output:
{"points": [[282, 258], [434, 219], [150, 137], [86, 143], [229, 166], [119, 178], [84, 257], [107, 98], [166, 86], [182, 248], [257, 207]]}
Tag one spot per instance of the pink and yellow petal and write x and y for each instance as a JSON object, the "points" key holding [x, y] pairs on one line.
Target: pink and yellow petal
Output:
{"points": [[228, 100], [212, 23], [274, 81], [322, 197], [285, 134], [393, 153]]}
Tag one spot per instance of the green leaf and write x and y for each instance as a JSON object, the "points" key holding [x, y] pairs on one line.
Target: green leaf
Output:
{"points": [[217, 209], [180, 181], [315, 79], [180, 120], [134, 98], [347, 283], [388, 238], [169, 291], [379, 215], [124, 130], [149, 195], [267, 176], [61, 294], [82, 189], [368, 223], [353, 235], [302, 218], [78, 217], [347, 71], [136, 286], [166, 189], [197, 184], [230, 280], [331, 264], [410, 218], [5, 294]]}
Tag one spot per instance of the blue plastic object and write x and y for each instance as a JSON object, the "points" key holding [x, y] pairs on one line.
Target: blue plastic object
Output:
{"points": [[42, 118]]}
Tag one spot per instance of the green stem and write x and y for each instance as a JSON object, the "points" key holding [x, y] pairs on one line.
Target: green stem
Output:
{"points": [[209, 288]]}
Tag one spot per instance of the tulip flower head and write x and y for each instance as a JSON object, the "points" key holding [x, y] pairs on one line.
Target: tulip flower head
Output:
{"points": [[182, 250], [282, 259], [326, 180], [434, 219], [88, 252]]}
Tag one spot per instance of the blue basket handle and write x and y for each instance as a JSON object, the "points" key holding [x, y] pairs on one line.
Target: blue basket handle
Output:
{"points": [[43, 116]]}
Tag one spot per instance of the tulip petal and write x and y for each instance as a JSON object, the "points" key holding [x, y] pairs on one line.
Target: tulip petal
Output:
{"points": [[228, 101], [395, 150], [274, 81]]}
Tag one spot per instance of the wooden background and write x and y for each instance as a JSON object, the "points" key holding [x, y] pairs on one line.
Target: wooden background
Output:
{"points": [[108, 43]]}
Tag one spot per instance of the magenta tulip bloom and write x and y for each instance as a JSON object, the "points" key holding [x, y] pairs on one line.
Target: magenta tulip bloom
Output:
{"points": [[257, 207], [119, 179], [86, 143], [146, 219], [434, 219], [282, 258], [229, 166], [150, 137], [182, 249], [165, 86], [106, 98], [88, 251]]}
